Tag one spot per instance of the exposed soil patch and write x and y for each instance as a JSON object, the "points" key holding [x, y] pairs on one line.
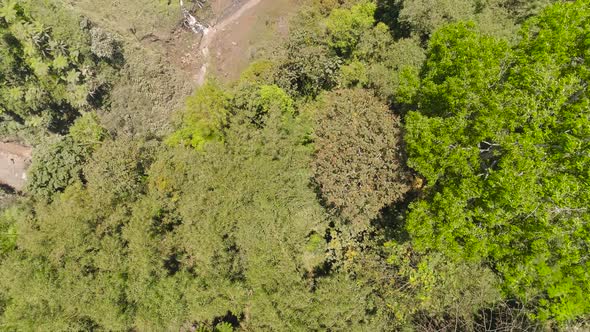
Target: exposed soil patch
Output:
{"points": [[182, 51], [220, 8], [244, 37], [14, 161], [211, 34], [239, 31], [237, 36]]}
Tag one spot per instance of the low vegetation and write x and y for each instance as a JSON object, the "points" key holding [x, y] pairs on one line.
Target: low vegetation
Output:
{"points": [[391, 165]]}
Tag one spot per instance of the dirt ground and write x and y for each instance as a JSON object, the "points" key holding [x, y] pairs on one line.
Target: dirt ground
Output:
{"points": [[237, 40], [14, 160], [220, 7], [244, 39]]}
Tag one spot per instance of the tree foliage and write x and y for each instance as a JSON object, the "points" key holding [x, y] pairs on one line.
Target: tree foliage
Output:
{"points": [[345, 26], [204, 118], [229, 238], [358, 165], [423, 17], [500, 137], [307, 66], [45, 80], [283, 201], [87, 130], [55, 167]]}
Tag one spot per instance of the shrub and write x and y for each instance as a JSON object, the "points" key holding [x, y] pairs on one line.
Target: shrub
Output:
{"points": [[56, 166], [104, 44]]}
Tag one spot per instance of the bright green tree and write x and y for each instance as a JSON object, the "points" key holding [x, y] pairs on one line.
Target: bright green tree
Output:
{"points": [[204, 117], [346, 26], [501, 137]]}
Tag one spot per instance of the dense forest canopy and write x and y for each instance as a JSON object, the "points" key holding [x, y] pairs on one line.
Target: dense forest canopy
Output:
{"points": [[389, 165], [50, 74]]}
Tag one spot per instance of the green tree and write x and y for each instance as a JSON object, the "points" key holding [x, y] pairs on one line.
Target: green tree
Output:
{"points": [[204, 117], [496, 17], [346, 26], [392, 67], [307, 66], [117, 169], [358, 164], [46, 78], [500, 137], [258, 102], [185, 242], [66, 272], [56, 166], [439, 291], [87, 130]]}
